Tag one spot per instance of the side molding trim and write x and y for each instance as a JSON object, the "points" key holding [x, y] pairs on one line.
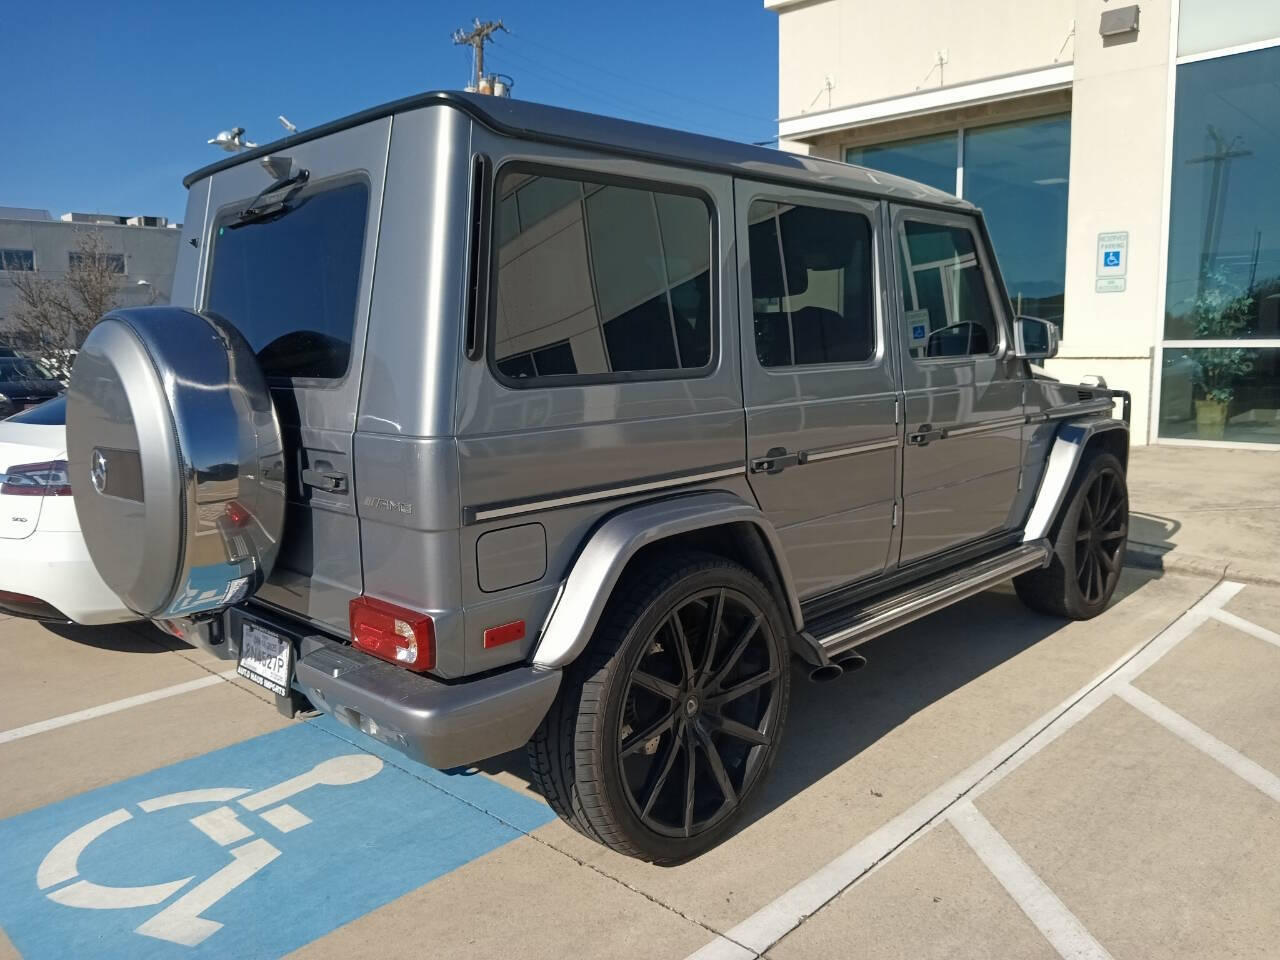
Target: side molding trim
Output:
{"points": [[585, 591]]}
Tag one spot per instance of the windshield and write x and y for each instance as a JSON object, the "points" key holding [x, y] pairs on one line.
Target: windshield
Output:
{"points": [[19, 368], [51, 413], [290, 282]]}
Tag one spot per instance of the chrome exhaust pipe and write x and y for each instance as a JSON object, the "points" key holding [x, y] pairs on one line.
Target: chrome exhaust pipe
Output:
{"points": [[851, 661], [826, 673]]}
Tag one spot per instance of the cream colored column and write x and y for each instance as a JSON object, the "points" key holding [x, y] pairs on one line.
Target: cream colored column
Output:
{"points": [[1118, 142]]}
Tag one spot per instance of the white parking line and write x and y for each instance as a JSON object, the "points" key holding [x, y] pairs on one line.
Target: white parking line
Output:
{"points": [[115, 706], [1240, 623], [1058, 924], [1205, 742], [775, 920]]}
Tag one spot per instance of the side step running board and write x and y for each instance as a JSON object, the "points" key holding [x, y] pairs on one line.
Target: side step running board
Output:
{"points": [[842, 630]]}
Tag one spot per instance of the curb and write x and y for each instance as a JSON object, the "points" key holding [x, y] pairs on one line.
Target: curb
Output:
{"points": [[1169, 561]]}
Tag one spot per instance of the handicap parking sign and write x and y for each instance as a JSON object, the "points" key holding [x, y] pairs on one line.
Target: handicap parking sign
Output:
{"points": [[249, 851], [1111, 258]]}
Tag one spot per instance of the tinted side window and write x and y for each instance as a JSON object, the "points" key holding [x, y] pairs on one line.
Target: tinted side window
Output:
{"points": [[812, 285], [946, 308], [290, 283], [597, 279]]}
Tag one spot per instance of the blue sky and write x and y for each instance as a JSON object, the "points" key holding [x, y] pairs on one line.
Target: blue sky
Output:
{"points": [[113, 102]]}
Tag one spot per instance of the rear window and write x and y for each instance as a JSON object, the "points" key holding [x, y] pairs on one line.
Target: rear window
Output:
{"points": [[290, 283], [19, 368], [51, 413]]}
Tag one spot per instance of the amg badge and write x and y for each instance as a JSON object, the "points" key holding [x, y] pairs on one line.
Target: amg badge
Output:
{"points": [[395, 506]]}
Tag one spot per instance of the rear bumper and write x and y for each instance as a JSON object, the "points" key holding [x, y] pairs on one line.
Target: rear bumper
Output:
{"points": [[440, 724], [54, 567]]}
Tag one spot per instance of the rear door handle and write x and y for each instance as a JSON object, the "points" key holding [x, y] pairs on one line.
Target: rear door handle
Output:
{"points": [[325, 480], [775, 461], [925, 435]]}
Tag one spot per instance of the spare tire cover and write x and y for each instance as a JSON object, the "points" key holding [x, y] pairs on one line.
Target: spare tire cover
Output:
{"points": [[176, 460]]}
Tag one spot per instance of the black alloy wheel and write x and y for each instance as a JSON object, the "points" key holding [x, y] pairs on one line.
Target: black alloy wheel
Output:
{"points": [[664, 729], [1100, 535], [699, 713], [1088, 543]]}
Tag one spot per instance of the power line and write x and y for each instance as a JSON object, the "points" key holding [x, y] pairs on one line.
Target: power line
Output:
{"points": [[576, 85], [639, 83]]}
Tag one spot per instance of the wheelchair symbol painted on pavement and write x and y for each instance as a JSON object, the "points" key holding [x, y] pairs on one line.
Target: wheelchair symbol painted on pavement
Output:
{"points": [[181, 922]]}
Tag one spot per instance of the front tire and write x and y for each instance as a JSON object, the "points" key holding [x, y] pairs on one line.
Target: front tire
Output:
{"points": [[1088, 546], [666, 726]]}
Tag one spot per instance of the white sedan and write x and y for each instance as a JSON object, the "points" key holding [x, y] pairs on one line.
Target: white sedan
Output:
{"points": [[45, 570]]}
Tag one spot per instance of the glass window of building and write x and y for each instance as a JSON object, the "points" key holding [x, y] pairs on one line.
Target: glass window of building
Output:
{"points": [[596, 280], [1205, 25], [18, 260], [111, 262], [1220, 373], [1019, 174], [929, 160]]}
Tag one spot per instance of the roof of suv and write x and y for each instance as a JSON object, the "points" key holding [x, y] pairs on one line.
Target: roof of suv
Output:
{"points": [[535, 121]]}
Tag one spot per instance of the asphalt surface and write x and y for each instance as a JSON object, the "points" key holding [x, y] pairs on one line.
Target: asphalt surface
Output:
{"points": [[993, 783]]}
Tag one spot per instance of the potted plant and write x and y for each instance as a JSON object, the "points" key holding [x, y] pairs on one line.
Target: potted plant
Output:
{"points": [[1219, 315]]}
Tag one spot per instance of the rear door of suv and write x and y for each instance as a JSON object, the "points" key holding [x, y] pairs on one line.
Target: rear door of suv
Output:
{"points": [[962, 389], [290, 254], [823, 439]]}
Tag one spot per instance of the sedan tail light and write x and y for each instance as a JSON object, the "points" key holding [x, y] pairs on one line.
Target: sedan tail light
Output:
{"points": [[47, 479], [404, 637]]}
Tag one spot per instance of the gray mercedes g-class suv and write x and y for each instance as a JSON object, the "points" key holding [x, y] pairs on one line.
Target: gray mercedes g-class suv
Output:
{"points": [[477, 423]]}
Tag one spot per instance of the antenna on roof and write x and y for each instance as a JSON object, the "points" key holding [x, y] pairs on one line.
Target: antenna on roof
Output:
{"points": [[232, 140]]}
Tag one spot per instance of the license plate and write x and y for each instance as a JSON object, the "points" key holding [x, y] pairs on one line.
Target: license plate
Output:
{"points": [[266, 658]]}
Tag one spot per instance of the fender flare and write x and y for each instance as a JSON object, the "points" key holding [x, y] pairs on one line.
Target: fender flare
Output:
{"points": [[1064, 458], [584, 592]]}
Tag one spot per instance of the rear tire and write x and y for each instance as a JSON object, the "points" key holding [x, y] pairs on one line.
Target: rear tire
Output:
{"points": [[665, 727], [1088, 545]]}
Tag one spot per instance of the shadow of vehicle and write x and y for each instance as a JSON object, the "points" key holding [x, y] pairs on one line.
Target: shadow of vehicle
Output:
{"points": [[139, 637], [1150, 538], [907, 670]]}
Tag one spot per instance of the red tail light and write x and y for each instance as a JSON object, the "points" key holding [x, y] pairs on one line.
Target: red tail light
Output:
{"points": [[47, 479], [404, 637]]}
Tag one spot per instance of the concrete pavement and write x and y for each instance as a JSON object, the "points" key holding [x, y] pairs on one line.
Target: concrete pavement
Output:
{"points": [[1213, 512], [993, 783]]}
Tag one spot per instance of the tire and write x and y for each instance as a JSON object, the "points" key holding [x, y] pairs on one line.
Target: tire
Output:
{"points": [[612, 755], [1088, 545], [173, 403]]}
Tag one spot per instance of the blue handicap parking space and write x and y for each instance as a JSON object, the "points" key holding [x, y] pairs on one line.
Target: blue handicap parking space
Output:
{"points": [[249, 851]]}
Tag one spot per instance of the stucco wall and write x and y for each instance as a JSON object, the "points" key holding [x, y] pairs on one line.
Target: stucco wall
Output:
{"points": [[1119, 125], [872, 52]]}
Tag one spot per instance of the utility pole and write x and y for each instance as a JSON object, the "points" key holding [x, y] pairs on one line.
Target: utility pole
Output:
{"points": [[1224, 153], [476, 38]]}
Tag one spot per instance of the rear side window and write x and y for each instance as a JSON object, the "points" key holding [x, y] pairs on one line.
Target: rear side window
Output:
{"points": [[946, 308], [599, 280], [290, 282], [812, 287]]}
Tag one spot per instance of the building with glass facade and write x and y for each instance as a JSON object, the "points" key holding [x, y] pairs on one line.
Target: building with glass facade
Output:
{"points": [[1127, 159]]}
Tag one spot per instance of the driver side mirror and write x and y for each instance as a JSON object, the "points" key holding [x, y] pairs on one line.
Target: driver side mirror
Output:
{"points": [[1034, 339]]}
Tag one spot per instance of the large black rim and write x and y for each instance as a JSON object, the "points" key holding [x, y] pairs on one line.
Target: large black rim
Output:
{"points": [[699, 713], [1104, 524]]}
